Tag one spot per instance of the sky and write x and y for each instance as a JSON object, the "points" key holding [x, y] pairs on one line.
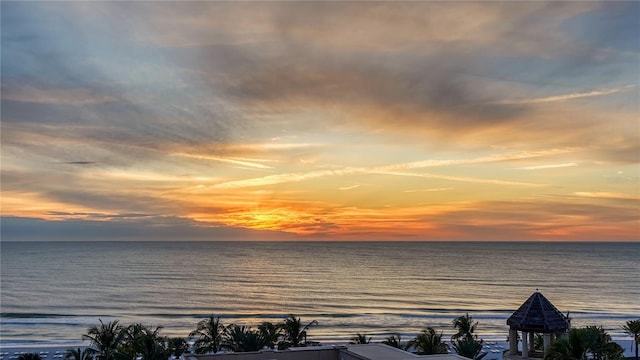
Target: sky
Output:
{"points": [[363, 120]]}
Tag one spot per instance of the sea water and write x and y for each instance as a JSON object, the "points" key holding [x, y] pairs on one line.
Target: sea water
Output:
{"points": [[51, 292]]}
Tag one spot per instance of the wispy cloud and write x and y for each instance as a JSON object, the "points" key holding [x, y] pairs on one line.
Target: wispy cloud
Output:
{"points": [[565, 97], [463, 179], [75, 96], [276, 179], [349, 187], [607, 195], [428, 190], [480, 160], [394, 170], [549, 166], [241, 162]]}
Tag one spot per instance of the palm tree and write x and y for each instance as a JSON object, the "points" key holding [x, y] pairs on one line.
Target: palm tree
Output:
{"points": [[150, 345], [469, 348], [428, 342], [79, 354], [241, 339], [579, 342], [209, 335], [177, 346], [632, 327], [294, 333], [394, 340], [270, 332], [562, 349], [132, 341], [360, 339], [106, 338], [571, 346], [30, 356], [465, 327]]}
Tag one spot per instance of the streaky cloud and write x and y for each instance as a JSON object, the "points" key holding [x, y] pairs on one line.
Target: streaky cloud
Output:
{"points": [[550, 166], [463, 179], [349, 187], [428, 190], [75, 96], [606, 195], [225, 160], [393, 170], [566, 97]]}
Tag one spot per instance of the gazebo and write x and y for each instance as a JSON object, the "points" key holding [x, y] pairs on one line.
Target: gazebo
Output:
{"points": [[537, 315]]}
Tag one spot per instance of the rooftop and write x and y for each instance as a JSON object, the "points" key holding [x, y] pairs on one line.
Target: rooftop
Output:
{"points": [[338, 352]]}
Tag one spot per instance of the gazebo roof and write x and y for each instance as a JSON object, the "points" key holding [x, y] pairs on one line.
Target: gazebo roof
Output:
{"points": [[538, 314]]}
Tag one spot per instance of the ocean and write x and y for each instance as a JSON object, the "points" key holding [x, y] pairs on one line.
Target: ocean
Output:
{"points": [[51, 292]]}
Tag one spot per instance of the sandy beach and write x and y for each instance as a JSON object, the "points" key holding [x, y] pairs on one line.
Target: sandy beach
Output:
{"points": [[46, 352]]}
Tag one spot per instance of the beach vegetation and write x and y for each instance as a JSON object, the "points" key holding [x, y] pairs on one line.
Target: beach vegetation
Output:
{"points": [[465, 342], [29, 356], [360, 338], [177, 346], [590, 342], [79, 354], [294, 333], [106, 339], [209, 335], [600, 346], [146, 343], [632, 327], [112, 341], [465, 326], [242, 338], [271, 333], [395, 340], [428, 342], [469, 348]]}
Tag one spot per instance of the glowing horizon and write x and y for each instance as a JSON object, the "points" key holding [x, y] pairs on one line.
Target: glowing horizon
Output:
{"points": [[439, 121]]}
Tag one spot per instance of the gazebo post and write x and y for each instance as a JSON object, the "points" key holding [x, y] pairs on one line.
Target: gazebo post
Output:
{"points": [[513, 341], [532, 342], [525, 345], [547, 342]]}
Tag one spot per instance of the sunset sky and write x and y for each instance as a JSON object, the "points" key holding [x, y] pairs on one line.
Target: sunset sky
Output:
{"points": [[320, 120]]}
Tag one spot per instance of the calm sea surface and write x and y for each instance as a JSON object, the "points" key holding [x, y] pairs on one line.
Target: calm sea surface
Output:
{"points": [[52, 291]]}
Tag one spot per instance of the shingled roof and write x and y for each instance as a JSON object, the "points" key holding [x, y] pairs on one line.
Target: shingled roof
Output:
{"points": [[538, 314]]}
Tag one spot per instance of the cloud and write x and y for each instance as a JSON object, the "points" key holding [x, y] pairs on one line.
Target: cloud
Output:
{"points": [[210, 71], [128, 229], [566, 97], [429, 190], [30, 94], [169, 109], [548, 166], [79, 162], [225, 160], [537, 219], [607, 195], [349, 187], [474, 180], [393, 170]]}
